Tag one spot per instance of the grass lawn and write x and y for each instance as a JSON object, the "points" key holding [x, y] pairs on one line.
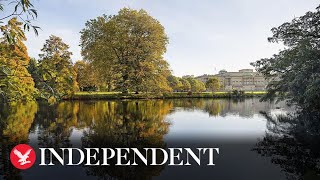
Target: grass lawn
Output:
{"points": [[255, 92]]}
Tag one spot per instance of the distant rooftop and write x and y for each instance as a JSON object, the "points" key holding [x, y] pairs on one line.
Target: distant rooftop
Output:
{"points": [[241, 71]]}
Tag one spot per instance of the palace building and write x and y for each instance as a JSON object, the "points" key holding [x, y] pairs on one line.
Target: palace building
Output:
{"points": [[245, 79]]}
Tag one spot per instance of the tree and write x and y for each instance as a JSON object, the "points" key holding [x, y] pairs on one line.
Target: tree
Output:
{"points": [[201, 86], [12, 87], [33, 69], [213, 84], [56, 69], [95, 52], [196, 85], [24, 11], [15, 81], [174, 83], [185, 85], [294, 73], [130, 47], [87, 77]]}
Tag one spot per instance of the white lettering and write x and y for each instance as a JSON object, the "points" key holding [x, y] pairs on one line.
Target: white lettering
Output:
{"points": [[120, 156], [173, 156]]}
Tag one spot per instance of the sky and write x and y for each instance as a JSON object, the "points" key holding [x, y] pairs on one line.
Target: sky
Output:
{"points": [[205, 36]]}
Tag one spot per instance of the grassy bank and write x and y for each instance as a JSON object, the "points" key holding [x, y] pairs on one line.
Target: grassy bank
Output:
{"points": [[118, 95]]}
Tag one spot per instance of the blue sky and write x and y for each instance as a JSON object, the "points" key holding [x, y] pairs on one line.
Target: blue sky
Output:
{"points": [[205, 35]]}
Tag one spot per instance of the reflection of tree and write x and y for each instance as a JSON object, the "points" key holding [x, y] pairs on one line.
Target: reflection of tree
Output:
{"points": [[138, 124], [189, 104], [15, 123], [55, 123], [214, 107], [223, 107], [293, 142], [246, 108]]}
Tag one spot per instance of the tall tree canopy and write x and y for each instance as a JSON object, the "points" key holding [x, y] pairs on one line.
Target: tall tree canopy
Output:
{"points": [[57, 72], [15, 81], [294, 73], [129, 47]]}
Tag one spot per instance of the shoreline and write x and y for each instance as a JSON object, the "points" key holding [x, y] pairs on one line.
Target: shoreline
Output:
{"points": [[175, 95]]}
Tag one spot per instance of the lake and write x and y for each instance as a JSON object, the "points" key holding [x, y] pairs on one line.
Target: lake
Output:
{"points": [[239, 127]]}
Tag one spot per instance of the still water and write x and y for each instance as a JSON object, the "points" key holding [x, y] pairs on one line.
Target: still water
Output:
{"points": [[240, 128]]}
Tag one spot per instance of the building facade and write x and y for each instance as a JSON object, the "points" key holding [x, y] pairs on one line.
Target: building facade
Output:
{"points": [[245, 79]]}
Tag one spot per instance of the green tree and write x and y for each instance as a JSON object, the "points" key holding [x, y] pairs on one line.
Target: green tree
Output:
{"points": [[174, 83], [213, 84], [87, 77], [294, 73], [56, 69], [196, 85], [15, 81], [201, 86], [185, 85], [96, 53], [129, 45], [33, 69]]}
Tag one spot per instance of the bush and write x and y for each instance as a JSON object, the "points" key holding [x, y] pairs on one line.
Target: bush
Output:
{"points": [[238, 92]]}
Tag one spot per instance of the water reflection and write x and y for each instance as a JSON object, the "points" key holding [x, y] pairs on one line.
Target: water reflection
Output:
{"points": [[134, 123], [293, 143], [15, 122], [137, 124], [53, 124], [223, 107]]}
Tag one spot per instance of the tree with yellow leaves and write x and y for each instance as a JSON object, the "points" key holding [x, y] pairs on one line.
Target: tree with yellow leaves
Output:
{"points": [[130, 47], [15, 81]]}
